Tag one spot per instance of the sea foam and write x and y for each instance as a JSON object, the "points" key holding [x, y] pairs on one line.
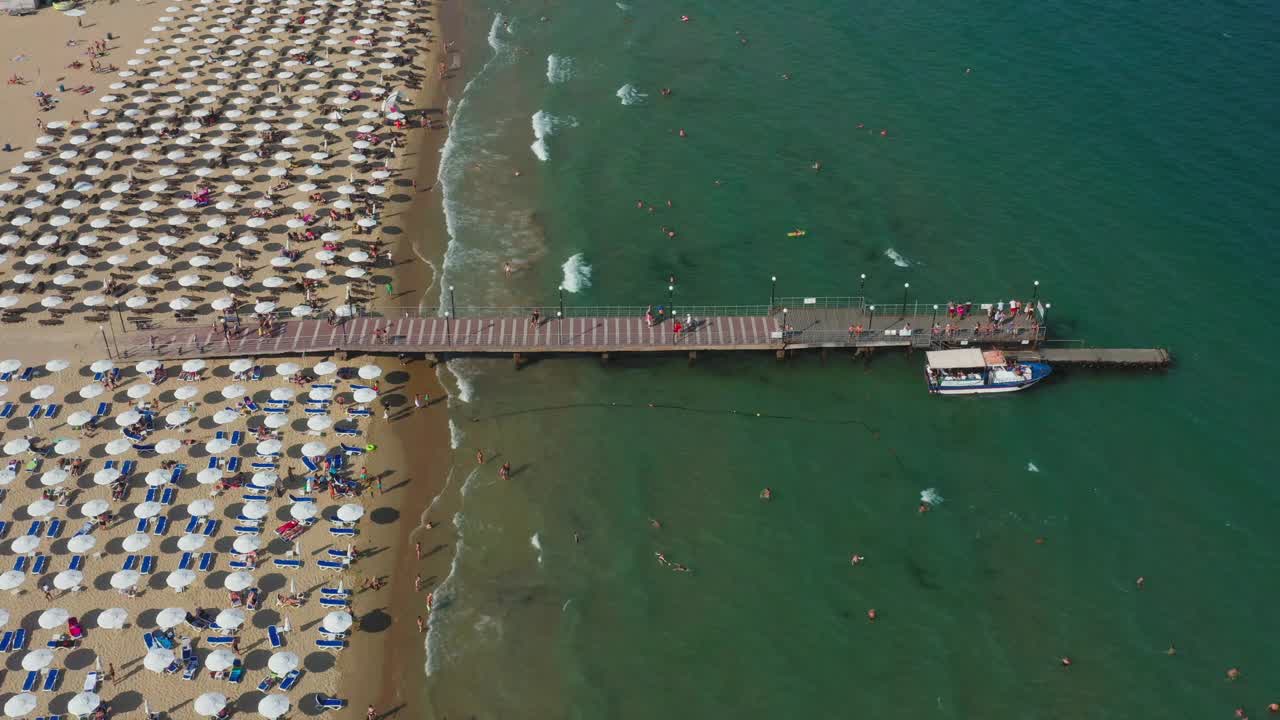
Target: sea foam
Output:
{"points": [[443, 596], [930, 496], [545, 125], [897, 258], [577, 273], [559, 68], [629, 95], [536, 542]]}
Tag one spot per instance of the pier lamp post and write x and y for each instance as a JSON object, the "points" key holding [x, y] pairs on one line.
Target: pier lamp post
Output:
{"points": [[906, 287], [773, 291], [561, 302], [1036, 294], [448, 329], [935, 319], [559, 327], [453, 307], [671, 300], [784, 325], [862, 285], [871, 319]]}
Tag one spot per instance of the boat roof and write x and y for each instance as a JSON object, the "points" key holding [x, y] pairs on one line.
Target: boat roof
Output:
{"points": [[955, 359]]}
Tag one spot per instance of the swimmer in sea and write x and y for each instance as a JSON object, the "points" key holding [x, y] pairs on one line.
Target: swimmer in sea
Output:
{"points": [[666, 92], [786, 76], [872, 615], [678, 567], [1233, 674], [1173, 650], [856, 559], [661, 558], [653, 523], [924, 508], [1066, 662], [766, 494], [1140, 582], [817, 165], [683, 133]]}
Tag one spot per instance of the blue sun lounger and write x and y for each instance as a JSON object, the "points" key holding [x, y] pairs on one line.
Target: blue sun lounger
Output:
{"points": [[28, 373], [331, 644], [237, 437], [275, 410], [103, 409], [193, 524], [52, 678], [34, 412], [37, 526], [193, 668], [206, 562], [38, 567], [273, 633], [310, 464], [51, 411], [162, 525], [220, 639], [148, 565], [55, 528], [255, 498], [352, 449], [131, 435], [131, 563], [346, 431], [263, 466], [213, 462], [77, 562], [6, 640], [184, 563], [168, 496], [153, 494], [342, 532], [360, 412], [7, 412], [267, 683], [290, 679], [332, 565], [144, 448], [324, 702], [335, 592], [127, 468], [286, 563], [320, 410], [233, 465], [20, 565], [33, 679], [247, 530], [143, 525], [178, 470]]}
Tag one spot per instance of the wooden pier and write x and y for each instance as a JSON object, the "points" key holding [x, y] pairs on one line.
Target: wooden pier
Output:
{"points": [[1099, 357]]}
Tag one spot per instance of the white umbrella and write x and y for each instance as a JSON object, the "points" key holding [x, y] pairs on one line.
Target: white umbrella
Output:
{"points": [[338, 621], [178, 417], [171, 617], [37, 659], [101, 366], [320, 393], [313, 449], [233, 391], [16, 447], [168, 446], [200, 508], [94, 508], [125, 579], [53, 617], [79, 418], [186, 392], [66, 446], [230, 618], [350, 512], [282, 393], [158, 659], [8, 476], [128, 417], [241, 365], [113, 618], [147, 366], [255, 510], [81, 543], [303, 510], [137, 542], [264, 308], [179, 579], [369, 372], [191, 542], [68, 579], [247, 544], [238, 581], [137, 392], [319, 422], [41, 508], [146, 510], [54, 477], [24, 544], [156, 478], [9, 365], [209, 476], [225, 417], [193, 365], [275, 421], [20, 705], [83, 703], [105, 476], [264, 480], [282, 663], [273, 706], [268, 447], [41, 392], [12, 579], [210, 704], [287, 368], [119, 446]]}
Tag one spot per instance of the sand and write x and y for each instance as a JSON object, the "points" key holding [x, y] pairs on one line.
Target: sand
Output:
{"points": [[384, 650]]}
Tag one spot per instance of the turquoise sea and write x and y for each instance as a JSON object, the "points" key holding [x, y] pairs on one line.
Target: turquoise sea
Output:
{"points": [[1120, 154]]}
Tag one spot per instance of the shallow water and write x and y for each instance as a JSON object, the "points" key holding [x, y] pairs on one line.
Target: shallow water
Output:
{"points": [[1117, 155]]}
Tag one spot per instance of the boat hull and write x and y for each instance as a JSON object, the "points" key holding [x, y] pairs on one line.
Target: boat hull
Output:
{"points": [[1039, 371]]}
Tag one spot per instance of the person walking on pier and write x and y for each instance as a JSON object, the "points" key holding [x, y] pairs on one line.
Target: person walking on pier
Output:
{"points": [[534, 317]]}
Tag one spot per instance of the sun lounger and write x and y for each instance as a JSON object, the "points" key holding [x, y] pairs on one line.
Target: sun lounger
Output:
{"points": [[162, 525], [198, 622], [290, 679], [301, 498], [168, 495], [255, 498], [33, 679], [91, 680], [55, 528], [275, 410], [257, 373], [236, 674], [127, 468], [352, 449], [220, 639], [38, 567], [214, 461], [20, 565], [51, 411], [193, 523], [103, 409], [310, 464], [36, 527], [237, 437], [335, 592], [331, 644], [149, 640], [346, 431], [263, 466], [206, 562], [324, 386], [239, 565], [340, 554], [7, 412], [52, 677], [286, 563], [19, 640], [324, 702], [34, 412], [144, 448], [143, 525], [267, 683], [131, 563], [176, 475], [185, 562], [4, 528], [233, 465], [148, 565], [247, 530], [6, 640], [153, 493], [253, 406], [28, 373], [77, 562], [273, 634], [131, 435], [192, 669], [355, 386]]}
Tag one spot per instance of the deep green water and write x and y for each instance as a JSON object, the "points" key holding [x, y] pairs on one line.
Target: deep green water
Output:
{"points": [[1122, 155]]}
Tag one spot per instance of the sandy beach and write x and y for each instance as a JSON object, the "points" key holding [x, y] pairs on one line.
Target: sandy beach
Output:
{"points": [[95, 274]]}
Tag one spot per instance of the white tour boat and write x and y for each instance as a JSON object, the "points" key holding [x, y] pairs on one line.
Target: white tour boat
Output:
{"points": [[971, 371]]}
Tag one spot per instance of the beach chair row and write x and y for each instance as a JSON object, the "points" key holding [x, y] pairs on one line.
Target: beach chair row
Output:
{"points": [[145, 565], [36, 412], [206, 563], [233, 463], [24, 563], [52, 679], [52, 529], [13, 640], [27, 374]]}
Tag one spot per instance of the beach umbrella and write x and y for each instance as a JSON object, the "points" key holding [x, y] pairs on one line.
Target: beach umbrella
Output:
{"points": [[12, 579], [7, 476], [128, 417], [94, 508], [66, 446], [200, 508], [168, 446], [350, 512], [68, 579], [255, 510], [192, 366], [300, 311], [158, 659], [268, 447], [106, 476], [282, 393], [125, 579], [230, 618], [147, 510], [186, 392], [247, 544], [275, 421], [180, 304], [55, 366], [137, 392], [191, 542], [41, 508], [101, 366], [180, 579], [10, 365], [171, 617], [233, 391], [282, 663], [237, 581], [225, 416], [17, 446], [369, 372], [113, 618], [81, 543], [210, 704], [364, 395], [319, 422], [24, 544], [83, 703], [287, 368], [222, 303], [217, 445], [338, 621], [178, 417], [303, 510], [147, 366], [54, 477], [264, 480], [241, 365], [20, 705], [273, 706], [4, 617], [156, 478], [317, 393], [37, 659], [313, 449], [137, 542], [209, 476], [119, 446], [79, 418], [263, 308], [53, 617]]}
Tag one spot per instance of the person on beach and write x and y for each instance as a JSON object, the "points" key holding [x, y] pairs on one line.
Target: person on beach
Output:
{"points": [[417, 583], [370, 714], [417, 550], [504, 472], [479, 457], [111, 673], [422, 627]]}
